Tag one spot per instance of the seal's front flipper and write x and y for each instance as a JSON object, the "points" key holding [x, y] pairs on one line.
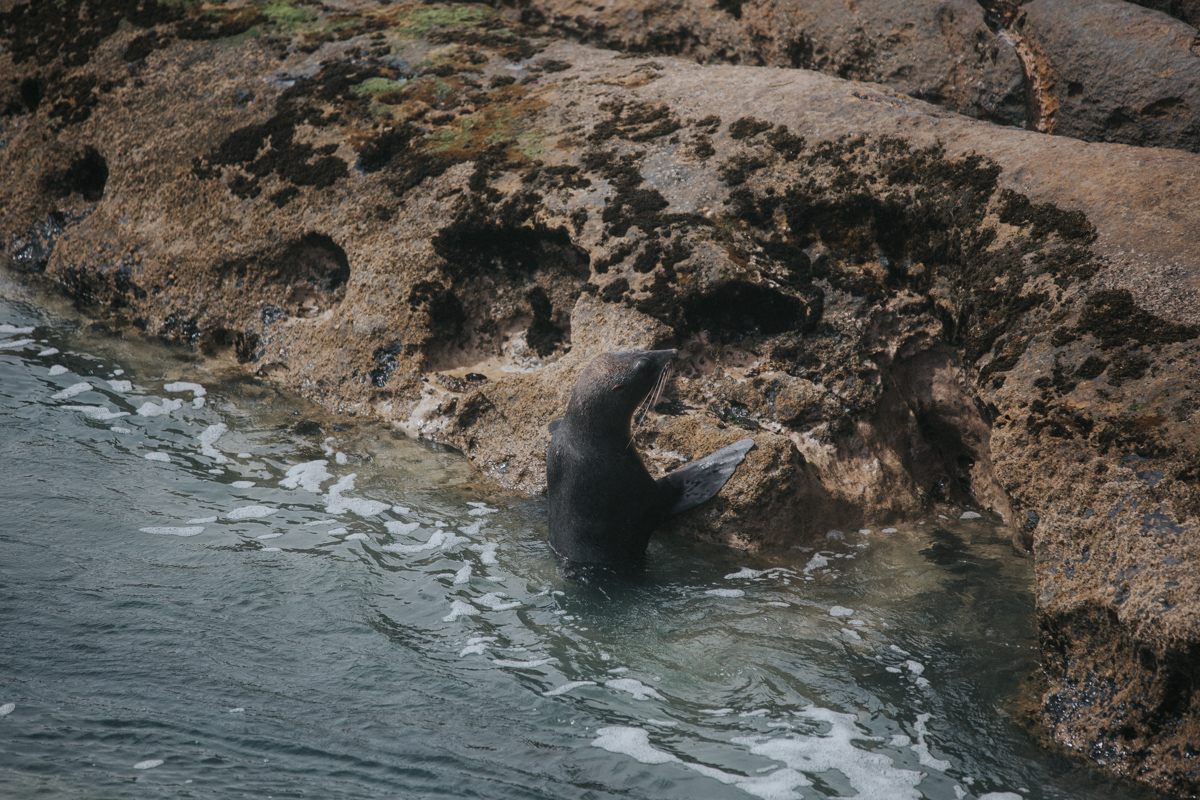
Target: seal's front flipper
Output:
{"points": [[704, 477]]}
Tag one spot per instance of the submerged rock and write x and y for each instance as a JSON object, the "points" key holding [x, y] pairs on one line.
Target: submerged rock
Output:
{"points": [[907, 307]]}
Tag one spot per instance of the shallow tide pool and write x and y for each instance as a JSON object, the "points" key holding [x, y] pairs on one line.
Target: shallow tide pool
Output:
{"points": [[210, 589]]}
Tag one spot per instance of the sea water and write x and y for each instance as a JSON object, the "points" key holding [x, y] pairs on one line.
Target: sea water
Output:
{"points": [[210, 589]]}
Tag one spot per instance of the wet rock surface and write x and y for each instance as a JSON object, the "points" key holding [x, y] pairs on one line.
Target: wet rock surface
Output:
{"points": [[436, 216]]}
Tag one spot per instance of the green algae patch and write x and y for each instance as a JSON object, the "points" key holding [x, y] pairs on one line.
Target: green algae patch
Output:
{"points": [[419, 20], [377, 86], [287, 15]]}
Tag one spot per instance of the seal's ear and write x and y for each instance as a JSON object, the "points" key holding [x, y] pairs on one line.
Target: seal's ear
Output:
{"points": [[554, 425]]}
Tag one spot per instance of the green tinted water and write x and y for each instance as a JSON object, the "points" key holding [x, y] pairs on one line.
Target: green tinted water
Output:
{"points": [[203, 595]]}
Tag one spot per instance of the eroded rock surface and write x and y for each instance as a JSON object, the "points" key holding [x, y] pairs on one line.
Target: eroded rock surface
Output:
{"points": [[1107, 71], [426, 214]]}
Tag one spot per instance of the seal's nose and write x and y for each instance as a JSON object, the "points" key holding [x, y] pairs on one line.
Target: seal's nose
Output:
{"points": [[661, 357]]}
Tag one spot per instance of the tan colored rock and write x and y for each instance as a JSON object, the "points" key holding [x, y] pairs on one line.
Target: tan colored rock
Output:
{"points": [[900, 304]]}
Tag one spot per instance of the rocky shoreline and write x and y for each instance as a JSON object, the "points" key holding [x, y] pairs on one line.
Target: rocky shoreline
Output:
{"points": [[436, 214]]}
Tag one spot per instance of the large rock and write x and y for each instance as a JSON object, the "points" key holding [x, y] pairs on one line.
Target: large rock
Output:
{"points": [[1111, 71], [902, 305], [1104, 71], [940, 51]]}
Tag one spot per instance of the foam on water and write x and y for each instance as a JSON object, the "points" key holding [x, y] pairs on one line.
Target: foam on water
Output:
{"points": [[242, 484], [356, 537], [463, 575], [921, 747], [460, 609], [190, 530], [872, 774], [16, 345], [209, 438], [725, 592], [6, 329], [150, 764], [49, 351], [121, 386], [339, 504], [7, 709], [72, 391], [157, 456], [438, 539], [149, 409], [536, 662], [841, 611], [251, 512], [58, 369], [566, 687], [639, 690], [496, 602], [202, 521], [308, 476], [100, 413]]}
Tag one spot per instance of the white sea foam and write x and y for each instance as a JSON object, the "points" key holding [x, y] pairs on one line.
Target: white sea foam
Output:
{"points": [[463, 575], [890, 530], [852, 634], [148, 409], [635, 743], [480, 509], [202, 520], [1001, 796], [476, 645], [639, 690], [121, 386], [487, 552], [337, 504], [400, 528], [96, 411], [355, 537], [725, 592], [7, 709], [309, 476], [716, 712], [439, 538], [209, 437], [841, 611], [49, 351], [5, 328], [340, 457], [242, 484], [118, 372], [915, 667], [871, 774], [336, 531], [183, 386], [270, 550], [921, 748], [15, 344], [496, 602], [151, 764], [72, 390], [460, 609], [251, 512], [536, 662], [157, 456], [190, 530], [566, 687], [266, 536], [818, 561], [970, 515], [58, 369], [402, 510], [119, 429]]}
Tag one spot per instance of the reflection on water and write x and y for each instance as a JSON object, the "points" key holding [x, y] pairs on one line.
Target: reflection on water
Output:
{"points": [[210, 589]]}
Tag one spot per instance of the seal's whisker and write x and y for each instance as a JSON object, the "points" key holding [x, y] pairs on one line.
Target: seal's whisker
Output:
{"points": [[651, 400]]}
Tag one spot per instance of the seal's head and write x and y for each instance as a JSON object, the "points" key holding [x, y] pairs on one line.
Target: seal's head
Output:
{"points": [[613, 385]]}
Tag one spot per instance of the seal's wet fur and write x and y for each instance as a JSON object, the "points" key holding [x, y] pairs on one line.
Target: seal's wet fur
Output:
{"points": [[603, 503]]}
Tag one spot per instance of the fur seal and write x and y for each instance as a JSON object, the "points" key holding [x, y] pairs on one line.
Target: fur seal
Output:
{"points": [[603, 503]]}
